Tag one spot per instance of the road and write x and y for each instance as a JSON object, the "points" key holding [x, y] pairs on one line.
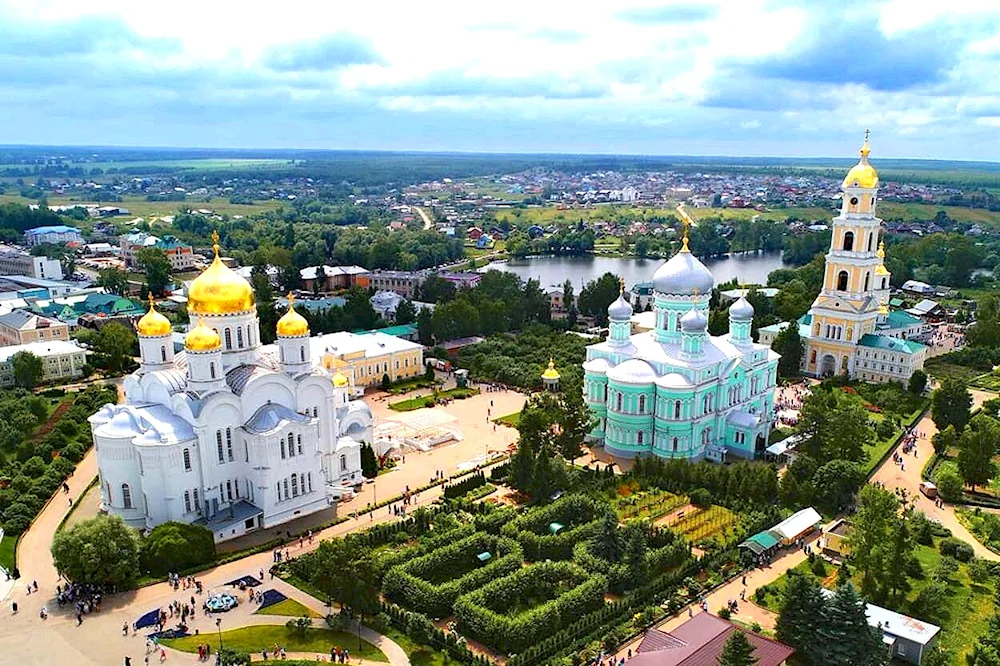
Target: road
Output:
{"points": [[428, 223]]}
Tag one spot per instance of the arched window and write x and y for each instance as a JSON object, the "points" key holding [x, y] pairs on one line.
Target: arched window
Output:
{"points": [[229, 339], [675, 443], [302, 353], [638, 437], [281, 353], [126, 496], [871, 236], [618, 402], [677, 409], [229, 444], [187, 460], [218, 445], [291, 445], [295, 485], [883, 283], [298, 444], [343, 463], [848, 241], [842, 281], [211, 370], [163, 354], [867, 279], [239, 338], [706, 436], [642, 405]]}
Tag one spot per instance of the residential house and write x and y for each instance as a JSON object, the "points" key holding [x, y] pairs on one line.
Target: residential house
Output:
{"points": [[325, 279], [61, 360], [700, 642], [58, 234], [917, 287], [22, 327], [641, 296]]}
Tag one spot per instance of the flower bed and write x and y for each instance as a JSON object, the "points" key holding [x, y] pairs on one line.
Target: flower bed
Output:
{"points": [[579, 517], [515, 612], [431, 583]]}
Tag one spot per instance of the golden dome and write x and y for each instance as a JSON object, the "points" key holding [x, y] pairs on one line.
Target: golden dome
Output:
{"points": [[292, 324], [551, 372], [339, 379], [202, 338], [881, 269], [153, 324], [219, 289], [862, 174]]}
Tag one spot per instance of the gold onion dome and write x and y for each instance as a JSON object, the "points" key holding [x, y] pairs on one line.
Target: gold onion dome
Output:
{"points": [[153, 324], [219, 289], [202, 338], [292, 324], [551, 372], [340, 379], [881, 269], [862, 174]]}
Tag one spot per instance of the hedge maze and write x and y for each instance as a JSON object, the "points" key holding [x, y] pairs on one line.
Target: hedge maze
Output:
{"points": [[579, 518]]}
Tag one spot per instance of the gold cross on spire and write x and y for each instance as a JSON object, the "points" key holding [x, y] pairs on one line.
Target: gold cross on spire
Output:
{"points": [[291, 300], [621, 285], [150, 300], [688, 222], [215, 241]]}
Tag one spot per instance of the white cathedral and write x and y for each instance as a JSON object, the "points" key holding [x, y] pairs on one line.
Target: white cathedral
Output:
{"points": [[229, 433]]}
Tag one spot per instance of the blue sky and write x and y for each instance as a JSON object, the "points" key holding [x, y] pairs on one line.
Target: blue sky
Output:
{"points": [[731, 77]]}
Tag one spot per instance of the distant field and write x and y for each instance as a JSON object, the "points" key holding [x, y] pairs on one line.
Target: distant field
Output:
{"points": [[138, 206], [214, 163]]}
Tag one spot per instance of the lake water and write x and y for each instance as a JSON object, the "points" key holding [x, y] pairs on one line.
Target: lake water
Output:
{"points": [[749, 268]]}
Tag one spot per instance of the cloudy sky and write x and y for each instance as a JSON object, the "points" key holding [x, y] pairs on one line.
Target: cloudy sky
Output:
{"points": [[731, 77]]}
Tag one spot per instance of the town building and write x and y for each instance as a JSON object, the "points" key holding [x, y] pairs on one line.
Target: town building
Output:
{"points": [[180, 254], [364, 358], [848, 329], [641, 296], [700, 642], [326, 279], [906, 638], [404, 283], [676, 391], [58, 234], [61, 360], [21, 327], [386, 303], [29, 287], [228, 433], [15, 262]]}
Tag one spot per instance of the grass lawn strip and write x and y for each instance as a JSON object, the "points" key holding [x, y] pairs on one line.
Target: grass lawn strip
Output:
{"points": [[253, 639], [288, 608], [429, 400], [7, 545]]}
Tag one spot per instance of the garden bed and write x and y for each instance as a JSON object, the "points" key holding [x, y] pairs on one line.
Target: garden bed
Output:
{"points": [[648, 504]]}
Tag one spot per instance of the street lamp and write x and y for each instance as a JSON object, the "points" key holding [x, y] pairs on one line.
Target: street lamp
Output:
{"points": [[218, 625]]}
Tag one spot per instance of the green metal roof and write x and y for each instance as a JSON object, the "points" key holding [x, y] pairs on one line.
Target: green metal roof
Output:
{"points": [[806, 319], [900, 319], [398, 331], [890, 344], [760, 542], [895, 302]]}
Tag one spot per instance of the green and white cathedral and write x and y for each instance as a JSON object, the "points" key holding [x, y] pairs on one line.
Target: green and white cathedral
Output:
{"points": [[676, 391]]}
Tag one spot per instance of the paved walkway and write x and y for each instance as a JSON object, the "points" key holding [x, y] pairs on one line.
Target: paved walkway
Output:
{"points": [[892, 476]]}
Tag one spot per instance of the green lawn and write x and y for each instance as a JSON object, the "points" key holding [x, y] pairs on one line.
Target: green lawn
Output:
{"points": [[289, 608], [425, 401], [252, 640], [420, 655], [7, 551], [510, 420]]}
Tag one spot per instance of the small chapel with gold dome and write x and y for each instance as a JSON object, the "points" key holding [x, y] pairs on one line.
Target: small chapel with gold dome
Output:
{"points": [[229, 433]]}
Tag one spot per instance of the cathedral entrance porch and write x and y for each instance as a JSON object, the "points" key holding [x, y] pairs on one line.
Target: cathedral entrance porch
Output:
{"points": [[827, 365]]}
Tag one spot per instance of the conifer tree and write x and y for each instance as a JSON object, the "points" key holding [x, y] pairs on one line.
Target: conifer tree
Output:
{"points": [[737, 651], [799, 618], [846, 636]]}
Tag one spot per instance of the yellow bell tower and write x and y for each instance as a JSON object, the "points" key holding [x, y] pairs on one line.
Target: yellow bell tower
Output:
{"points": [[855, 280]]}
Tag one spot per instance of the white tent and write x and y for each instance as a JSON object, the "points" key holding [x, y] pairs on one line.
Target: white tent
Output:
{"points": [[797, 524]]}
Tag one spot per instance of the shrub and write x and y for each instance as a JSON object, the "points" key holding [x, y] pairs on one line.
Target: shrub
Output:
{"points": [[462, 487], [579, 516], [173, 547], [700, 498], [956, 548], [818, 568], [949, 484]]}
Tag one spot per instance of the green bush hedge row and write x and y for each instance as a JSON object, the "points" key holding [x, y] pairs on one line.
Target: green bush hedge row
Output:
{"points": [[484, 614], [459, 488], [407, 584], [580, 516]]}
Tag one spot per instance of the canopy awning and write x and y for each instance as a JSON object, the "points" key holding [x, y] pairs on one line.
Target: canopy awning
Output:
{"points": [[760, 543]]}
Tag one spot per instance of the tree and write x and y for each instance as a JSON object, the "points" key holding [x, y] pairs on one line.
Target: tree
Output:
{"points": [[345, 573], [835, 427], [976, 448], [835, 484], [176, 546], [799, 617], [950, 405], [597, 295], [28, 369], [425, 326], [788, 343], [115, 344], [737, 651], [949, 484], [878, 542], [918, 382], [436, 289], [847, 637], [115, 280], [557, 421], [99, 551], [944, 440], [369, 462], [406, 313], [155, 263]]}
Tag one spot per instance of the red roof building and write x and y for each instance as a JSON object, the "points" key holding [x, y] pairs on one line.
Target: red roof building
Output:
{"points": [[699, 642]]}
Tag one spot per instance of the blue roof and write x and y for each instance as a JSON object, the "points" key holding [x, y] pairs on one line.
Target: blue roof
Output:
{"points": [[56, 229], [890, 344]]}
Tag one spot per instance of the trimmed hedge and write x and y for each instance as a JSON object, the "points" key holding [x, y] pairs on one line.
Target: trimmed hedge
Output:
{"points": [[666, 551], [579, 515], [408, 584], [459, 488], [491, 615]]}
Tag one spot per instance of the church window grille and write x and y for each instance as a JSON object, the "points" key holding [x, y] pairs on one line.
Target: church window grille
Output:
{"points": [[302, 353], [675, 443], [236, 488], [229, 338], [842, 281], [197, 504], [229, 490], [848, 241], [309, 478], [163, 353], [291, 445], [211, 370], [298, 443], [677, 409], [282, 448], [867, 279], [126, 496], [618, 402], [187, 460], [229, 444], [187, 501], [285, 483], [239, 338], [218, 445]]}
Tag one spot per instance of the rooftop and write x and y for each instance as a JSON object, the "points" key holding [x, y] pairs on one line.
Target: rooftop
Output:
{"points": [[699, 642], [890, 344], [41, 349]]}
